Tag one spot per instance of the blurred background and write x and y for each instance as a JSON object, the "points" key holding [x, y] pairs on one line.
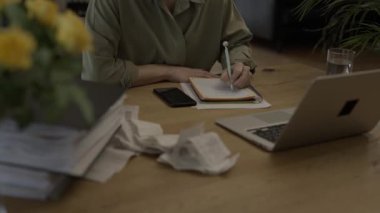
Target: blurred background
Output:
{"points": [[279, 36]]}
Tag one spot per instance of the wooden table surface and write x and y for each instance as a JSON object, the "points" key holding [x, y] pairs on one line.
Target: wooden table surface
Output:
{"points": [[339, 176]]}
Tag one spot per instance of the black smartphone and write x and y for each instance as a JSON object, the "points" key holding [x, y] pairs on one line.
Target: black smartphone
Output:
{"points": [[174, 97]]}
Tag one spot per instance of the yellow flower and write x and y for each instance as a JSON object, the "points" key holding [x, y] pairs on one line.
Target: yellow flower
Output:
{"points": [[16, 48], [72, 34], [45, 11], [4, 3]]}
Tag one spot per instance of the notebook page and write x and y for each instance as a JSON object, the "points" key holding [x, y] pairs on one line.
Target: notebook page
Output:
{"points": [[214, 89]]}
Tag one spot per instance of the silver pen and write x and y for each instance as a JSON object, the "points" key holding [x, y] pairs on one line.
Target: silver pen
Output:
{"points": [[259, 98], [229, 71]]}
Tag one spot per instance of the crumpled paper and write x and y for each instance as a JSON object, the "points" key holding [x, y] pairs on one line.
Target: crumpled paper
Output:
{"points": [[374, 148], [198, 151], [110, 162], [192, 150]]}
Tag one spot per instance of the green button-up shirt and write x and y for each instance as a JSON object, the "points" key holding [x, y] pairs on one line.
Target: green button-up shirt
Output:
{"points": [[128, 33]]}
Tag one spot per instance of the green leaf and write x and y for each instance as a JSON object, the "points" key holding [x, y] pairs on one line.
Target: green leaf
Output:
{"points": [[348, 22], [305, 7], [16, 15], [80, 99], [43, 57]]}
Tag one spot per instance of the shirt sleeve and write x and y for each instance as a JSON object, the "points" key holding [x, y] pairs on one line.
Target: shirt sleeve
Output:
{"points": [[103, 63], [238, 36]]}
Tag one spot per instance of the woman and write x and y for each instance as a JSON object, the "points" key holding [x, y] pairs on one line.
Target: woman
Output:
{"points": [[139, 42]]}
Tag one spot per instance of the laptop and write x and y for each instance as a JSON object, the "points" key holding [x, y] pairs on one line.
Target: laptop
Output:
{"points": [[334, 107]]}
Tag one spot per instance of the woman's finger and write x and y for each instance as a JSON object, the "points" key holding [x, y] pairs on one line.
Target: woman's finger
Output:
{"points": [[244, 79]]}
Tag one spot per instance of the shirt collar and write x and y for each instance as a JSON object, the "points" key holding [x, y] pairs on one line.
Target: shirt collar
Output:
{"points": [[198, 1], [183, 5]]}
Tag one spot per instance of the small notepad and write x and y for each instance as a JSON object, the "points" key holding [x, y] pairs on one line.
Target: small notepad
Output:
{"points": [[214, 89]]}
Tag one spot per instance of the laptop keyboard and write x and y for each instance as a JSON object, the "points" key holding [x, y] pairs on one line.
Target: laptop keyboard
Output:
{"points": [[271, 133]]}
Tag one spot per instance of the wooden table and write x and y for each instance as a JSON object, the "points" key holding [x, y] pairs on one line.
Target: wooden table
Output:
{"points": [[339, 176]]}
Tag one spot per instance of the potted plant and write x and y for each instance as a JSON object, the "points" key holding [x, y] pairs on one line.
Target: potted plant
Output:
{"points": [[353, 24], [40, 49]]}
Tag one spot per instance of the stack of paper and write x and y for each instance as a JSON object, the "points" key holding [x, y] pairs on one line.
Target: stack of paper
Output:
{"points": [[29, 183], [38, 161]]}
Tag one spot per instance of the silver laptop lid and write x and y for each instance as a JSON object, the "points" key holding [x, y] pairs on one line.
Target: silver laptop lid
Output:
{"points": [[334, 107]]}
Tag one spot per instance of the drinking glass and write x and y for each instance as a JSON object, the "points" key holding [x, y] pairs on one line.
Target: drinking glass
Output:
{"points": [[339, 61], [2, 207]]}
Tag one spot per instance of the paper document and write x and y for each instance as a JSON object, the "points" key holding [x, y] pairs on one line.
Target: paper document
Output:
{"points": [[28, 150], [22, 177], [191, 150], [94, 142], [57, 148], [198, 151], [110, 161], [132, 138], [214, 89], [28, 183], [133, 133], [186, 87], [373, 148]]}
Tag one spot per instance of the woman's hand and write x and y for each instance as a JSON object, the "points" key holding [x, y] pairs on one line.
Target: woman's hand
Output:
{"points": [[152, 73], [241, 75]]}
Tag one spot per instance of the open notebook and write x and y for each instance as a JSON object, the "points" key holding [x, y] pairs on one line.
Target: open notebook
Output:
{"points": [[214, 89]]}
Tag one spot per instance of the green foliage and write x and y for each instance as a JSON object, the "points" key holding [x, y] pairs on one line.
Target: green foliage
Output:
{"points": [[49, 85], [350, 24]]}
